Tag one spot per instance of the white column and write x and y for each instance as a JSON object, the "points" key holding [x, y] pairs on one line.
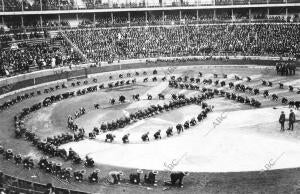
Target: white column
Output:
{"points": [[22, 21], [146, 17], [94, 18], [59, 20], [250, 15], [215, 14], [2, 5], [180, 16], [41, 21]]}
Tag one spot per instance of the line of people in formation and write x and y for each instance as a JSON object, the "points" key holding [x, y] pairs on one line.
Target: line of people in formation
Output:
{"points": [[25, 96], [49, 146], [253, 102], [114, 177], [176, 83], [285, 68], [177, 102], [19, 98], [291, 120], [169, 132], [20, 129]]}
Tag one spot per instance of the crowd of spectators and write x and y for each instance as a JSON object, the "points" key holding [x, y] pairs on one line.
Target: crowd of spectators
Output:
{"points": [[167, 19], [12, 5], [19, 36], [27, 5], [130, 43], [144, 42], [19, 58], [140, 19]]}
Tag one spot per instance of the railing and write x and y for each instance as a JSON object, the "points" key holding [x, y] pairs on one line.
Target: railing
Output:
{"points": [[22, 186], [15, 5]]}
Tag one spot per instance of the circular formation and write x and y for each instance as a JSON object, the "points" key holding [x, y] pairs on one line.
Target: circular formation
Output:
{"points": [[176, 93], [149, 97]]}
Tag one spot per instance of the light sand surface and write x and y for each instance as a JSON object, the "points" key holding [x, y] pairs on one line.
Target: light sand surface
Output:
{"points": [[238, 143], [246, 140]]}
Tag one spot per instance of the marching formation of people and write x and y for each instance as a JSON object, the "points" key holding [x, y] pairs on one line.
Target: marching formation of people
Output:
{"points": [[191, 83], [232, 96], [177, 102], [245, 100], [179, 127], [67, 173], [49, 146], [25, 96]]}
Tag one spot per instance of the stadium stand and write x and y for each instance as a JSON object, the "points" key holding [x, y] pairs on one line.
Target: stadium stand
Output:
{"points": [[130, 43], [35, 54], [73, 32]]}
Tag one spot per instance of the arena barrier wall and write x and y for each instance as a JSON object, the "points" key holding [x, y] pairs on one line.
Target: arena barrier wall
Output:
{"points": [[11, 85], [29, 187]]}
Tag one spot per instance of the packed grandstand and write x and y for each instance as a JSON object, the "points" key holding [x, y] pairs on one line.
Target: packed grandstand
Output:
{"points": [[38, 35]]}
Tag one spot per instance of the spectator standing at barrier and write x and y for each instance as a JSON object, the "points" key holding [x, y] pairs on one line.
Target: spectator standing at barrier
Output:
{"points": [[282, 120], [292, 119]]}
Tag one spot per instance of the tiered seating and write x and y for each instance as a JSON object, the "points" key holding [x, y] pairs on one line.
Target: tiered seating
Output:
{"points": [[129, 43], [40, 53], [12, 5]]}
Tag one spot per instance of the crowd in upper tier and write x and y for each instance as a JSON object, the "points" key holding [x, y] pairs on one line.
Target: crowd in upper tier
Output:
{"points": [[129, 43], [114, 44], [19, 58], [18, 5]]}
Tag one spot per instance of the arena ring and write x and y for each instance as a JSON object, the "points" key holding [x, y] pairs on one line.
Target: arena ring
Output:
{"points": [[213, 146]]}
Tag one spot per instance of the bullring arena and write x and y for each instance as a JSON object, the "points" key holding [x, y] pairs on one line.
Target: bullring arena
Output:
{"points": [[139, 96], [235, 140]]}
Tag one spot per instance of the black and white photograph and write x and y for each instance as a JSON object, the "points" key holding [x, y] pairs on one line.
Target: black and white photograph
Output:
{"points": [[149, 96]]}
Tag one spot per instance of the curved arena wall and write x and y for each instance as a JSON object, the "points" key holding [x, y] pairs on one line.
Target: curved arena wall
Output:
{"points": [[19, 83]]}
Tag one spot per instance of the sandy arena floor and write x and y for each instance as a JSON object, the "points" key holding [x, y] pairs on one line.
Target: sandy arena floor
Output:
{"points": [[240, 142], [245, 140]]}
